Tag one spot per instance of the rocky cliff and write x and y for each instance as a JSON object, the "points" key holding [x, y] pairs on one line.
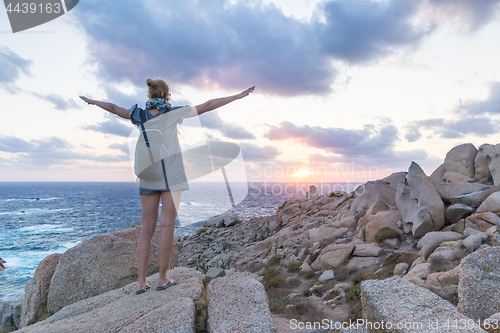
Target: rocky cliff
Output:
{"points": [[407, 246]]}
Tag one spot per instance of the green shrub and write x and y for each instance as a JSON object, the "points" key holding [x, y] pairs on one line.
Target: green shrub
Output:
{"points": [[276, 305], [354, 293], [397, 258], [309, 274], [331, 295], [341, 273], [271, 274], [356, 313], [336, 194], [276, 282], [294, 266], [294, 282], [364, 276], [200, 306], [267, 271], [275, 259], [307, 293], [386, 233]]}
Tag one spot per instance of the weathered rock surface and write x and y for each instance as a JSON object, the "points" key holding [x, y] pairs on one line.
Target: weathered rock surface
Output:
{"points": [[221, 221], [457, 211], [474, 241], [121, 310], [474, 198], [461, 159], [479, 284], [335, 257], [420, 204], [237, 302], [396, 300], [431, 241], [367, 250], [10, 314], [213, 273], [450, 190], [491, 204], [98, 265], [373, 192], [394, 179], [37, 289], [488, 163]]}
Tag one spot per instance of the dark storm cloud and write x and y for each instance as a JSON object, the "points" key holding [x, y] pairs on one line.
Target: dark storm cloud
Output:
{"points": [[110, 127], [366, 141], [12, 65], [358, 31], [242, 44], [236, 45]]}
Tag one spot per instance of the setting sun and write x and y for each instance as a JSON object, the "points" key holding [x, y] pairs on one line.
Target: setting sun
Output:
{"points": [[301, 173]]}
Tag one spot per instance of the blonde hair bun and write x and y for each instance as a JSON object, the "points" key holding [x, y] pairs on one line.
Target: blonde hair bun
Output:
{"points": [[157, 88]]}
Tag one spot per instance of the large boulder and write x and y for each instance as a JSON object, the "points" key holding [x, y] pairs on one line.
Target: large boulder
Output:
{"points": [[488, 163], [460, 159], [437, 177], [325, 233], [474, 198], [372, 192], [444, 284], [419, 202], [456, 212], [491, 204], [432, 240], [333, 256], [450, 190], [386, 215], [120, 310], [372, 228], [98, 265], [238, 302], [396, 300], [394, 179], [479, 284], [37, 289]]}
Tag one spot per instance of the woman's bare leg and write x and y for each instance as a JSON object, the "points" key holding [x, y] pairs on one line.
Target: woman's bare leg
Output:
{"points": [[149, 204], [170, 205]]}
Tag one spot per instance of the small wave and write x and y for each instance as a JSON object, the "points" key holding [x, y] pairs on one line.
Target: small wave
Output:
{"points": [[33, 199], [35, 211], [30, 259], [41, 228]]}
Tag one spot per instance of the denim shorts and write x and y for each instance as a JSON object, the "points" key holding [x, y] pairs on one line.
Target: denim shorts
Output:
{"points": [[143, 191]]}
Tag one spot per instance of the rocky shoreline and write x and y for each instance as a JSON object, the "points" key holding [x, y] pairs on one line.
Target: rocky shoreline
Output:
{"points": [[409, 247]]}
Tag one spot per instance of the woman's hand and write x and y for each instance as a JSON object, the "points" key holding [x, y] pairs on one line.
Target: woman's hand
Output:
{"points": [[88, 100], [245, 93]]}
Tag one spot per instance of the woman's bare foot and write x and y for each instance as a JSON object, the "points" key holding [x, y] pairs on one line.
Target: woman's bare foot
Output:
{"points": [[142, 285], [164, 281]]}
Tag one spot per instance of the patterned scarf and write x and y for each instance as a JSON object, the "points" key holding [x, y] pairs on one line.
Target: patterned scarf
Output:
{"points": [[158, 104]]}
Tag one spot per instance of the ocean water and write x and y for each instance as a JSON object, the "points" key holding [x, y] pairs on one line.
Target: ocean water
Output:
{"points": [[38, 219]]}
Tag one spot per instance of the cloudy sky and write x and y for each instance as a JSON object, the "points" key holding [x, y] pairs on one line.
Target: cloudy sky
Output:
{"points": [[346, 90]]}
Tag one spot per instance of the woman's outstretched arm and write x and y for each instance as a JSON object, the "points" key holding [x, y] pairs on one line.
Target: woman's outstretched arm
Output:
{"points": [[110, 107], [218, 102]]}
